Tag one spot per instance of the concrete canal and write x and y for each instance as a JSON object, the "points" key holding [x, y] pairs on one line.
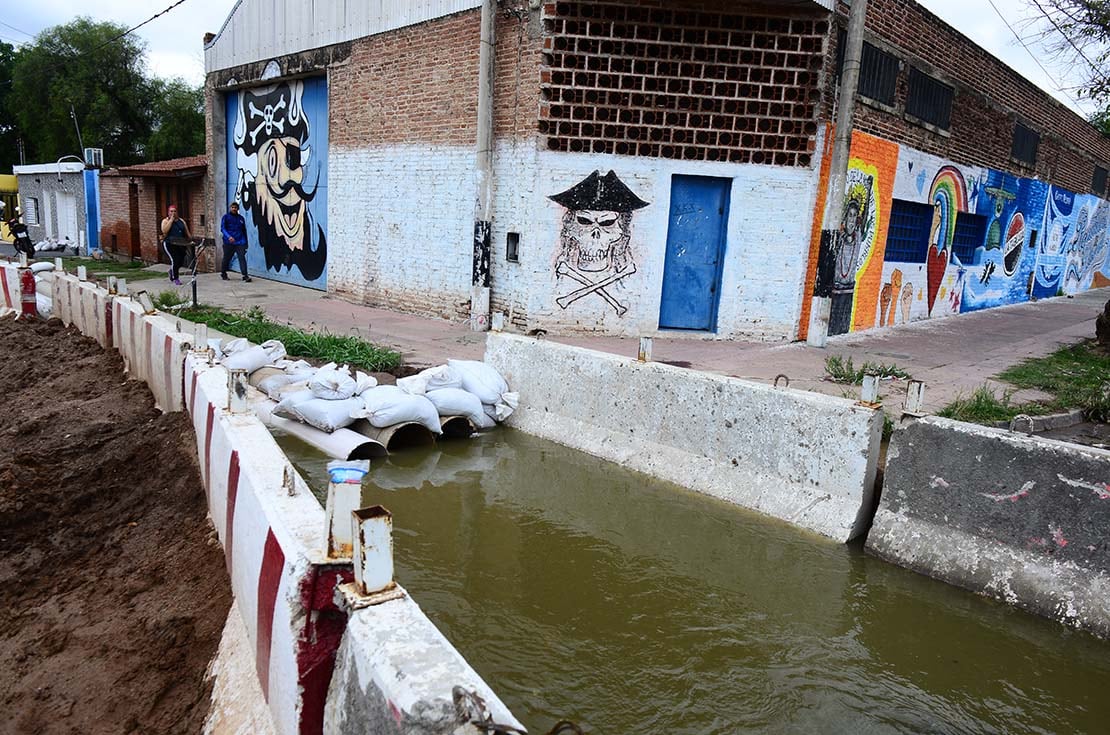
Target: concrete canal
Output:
{"points": [[582, 590]]}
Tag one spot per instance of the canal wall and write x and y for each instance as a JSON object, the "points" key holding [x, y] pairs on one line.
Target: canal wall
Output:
{"points": [[395, 665], [1018, 518], [802, 457]]}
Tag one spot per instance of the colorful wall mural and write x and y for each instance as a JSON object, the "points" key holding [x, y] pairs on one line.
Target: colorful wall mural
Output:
{"points": [[955, 239], [277, 154]]}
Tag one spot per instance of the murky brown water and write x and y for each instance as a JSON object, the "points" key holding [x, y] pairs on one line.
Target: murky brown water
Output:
{"points": [[579, 589]]}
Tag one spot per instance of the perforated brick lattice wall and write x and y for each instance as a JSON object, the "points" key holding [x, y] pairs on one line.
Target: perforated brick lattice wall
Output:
{"points": [[681, 84]]}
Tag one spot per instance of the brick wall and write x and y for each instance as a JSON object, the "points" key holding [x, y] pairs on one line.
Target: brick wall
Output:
{"points": [[699, 81], [115, 214], [989, 98]]}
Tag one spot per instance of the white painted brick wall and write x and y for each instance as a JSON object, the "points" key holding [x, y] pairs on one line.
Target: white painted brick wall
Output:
{"points": [[400, 220], [399, 224]]}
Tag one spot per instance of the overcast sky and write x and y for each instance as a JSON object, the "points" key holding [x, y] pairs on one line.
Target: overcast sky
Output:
{"points": [[175, 39]]}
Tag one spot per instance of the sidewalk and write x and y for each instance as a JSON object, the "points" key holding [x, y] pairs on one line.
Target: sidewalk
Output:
{"points": [[953, 356]]}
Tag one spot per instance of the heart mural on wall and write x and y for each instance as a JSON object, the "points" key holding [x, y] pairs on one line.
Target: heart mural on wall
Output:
{"points": [[949, 196]]}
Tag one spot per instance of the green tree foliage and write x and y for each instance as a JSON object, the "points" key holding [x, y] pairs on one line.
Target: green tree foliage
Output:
{"points": [[9, 129], [1078, 31], [178, 120], [84, 66]]}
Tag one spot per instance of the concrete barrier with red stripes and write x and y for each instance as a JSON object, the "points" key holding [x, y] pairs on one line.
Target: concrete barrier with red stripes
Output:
{"points": [[272, 531], [397, 667], [9, 286]]}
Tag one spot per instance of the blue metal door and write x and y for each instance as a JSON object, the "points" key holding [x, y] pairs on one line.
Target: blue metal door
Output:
{"points": [[695, 249]]}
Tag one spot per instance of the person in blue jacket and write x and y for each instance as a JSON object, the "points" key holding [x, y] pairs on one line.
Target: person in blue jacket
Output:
{"points": [[234, 230]]}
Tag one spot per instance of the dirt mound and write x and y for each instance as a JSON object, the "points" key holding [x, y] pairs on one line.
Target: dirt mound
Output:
{"points": [[115, 590]]}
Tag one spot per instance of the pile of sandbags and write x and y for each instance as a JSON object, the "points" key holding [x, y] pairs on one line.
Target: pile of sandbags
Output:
{"points": [[331, 396]]}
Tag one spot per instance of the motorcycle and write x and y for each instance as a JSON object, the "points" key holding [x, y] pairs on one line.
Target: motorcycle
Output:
{"points": [[23, 242]]}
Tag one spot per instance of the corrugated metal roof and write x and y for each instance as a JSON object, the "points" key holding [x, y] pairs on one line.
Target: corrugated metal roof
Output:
{"points": [[258, 30]]}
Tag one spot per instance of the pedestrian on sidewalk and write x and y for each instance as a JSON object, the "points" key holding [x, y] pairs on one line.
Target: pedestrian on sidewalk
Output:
{"points": [[234, 230], [175, 237]]}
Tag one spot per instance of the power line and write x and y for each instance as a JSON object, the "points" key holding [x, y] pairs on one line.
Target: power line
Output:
{"points": [[1066, 36], [1059, 87], [17, 30]]}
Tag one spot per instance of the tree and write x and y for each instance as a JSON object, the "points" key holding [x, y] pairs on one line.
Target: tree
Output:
{"points": [[79, 66], [1078, 31], [178, 120], [9, 130]]}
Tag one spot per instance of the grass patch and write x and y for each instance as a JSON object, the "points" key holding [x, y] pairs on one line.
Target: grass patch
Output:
{"points": [[1078, 376], [842, 370], [984, 407], [254, 325], [132, 270]]}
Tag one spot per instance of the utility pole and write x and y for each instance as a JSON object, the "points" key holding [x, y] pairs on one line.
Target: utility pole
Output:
{"points": [[831, 225], [480, 268]]}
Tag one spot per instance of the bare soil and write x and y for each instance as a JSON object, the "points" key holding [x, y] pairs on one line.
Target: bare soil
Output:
{"points": [[114, 591]]}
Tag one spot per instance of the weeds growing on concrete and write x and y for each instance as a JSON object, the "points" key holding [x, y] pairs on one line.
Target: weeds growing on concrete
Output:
{"points": [[254, 325], [984, 407], [1078, 376], [843, 370], [170, 300]]}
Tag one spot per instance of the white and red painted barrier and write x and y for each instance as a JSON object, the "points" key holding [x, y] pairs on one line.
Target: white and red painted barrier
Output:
{"points": [[9, 286], [272, 531]]}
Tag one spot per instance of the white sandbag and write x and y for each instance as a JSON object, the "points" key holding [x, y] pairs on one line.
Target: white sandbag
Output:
{"points": [[254, 358], [286, 407], [364, 382], [216, 347], [458, 402], [333, 385], [504, 408], [44, 304], [272, 385], [42, 265], [480, 379], [328, 415], [234, 344], [387, 405], [435, 378]]}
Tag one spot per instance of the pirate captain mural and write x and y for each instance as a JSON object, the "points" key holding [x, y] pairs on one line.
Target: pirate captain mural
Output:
{"points": [[595, 254], [277, 171]]}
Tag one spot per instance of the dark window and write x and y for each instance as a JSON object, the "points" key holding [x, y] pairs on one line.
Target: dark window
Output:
{"points": [[512, 247], [929, 100], [878, 71], [907, 239], [1025, 144], [1098, 181], [971, 232]]}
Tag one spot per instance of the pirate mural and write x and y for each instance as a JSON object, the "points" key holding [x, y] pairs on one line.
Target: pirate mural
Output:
{"points": [[596, 231], [281, 176]]}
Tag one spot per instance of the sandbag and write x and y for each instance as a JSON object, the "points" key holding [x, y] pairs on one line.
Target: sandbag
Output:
{"points": [[327, 415], [435, 378], [480, 379], [364, 382], [41, 266], [286, 407], [254, 358], [387, 405], [333, 385], [458, 402], [272, 385]]}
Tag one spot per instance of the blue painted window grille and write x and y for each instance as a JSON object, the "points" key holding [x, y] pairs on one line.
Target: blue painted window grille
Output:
{"points": [[971, 232], [907, 239]]}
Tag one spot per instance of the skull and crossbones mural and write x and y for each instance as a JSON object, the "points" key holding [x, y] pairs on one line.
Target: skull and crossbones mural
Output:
{"points": [[277, 180], [596, 232]]}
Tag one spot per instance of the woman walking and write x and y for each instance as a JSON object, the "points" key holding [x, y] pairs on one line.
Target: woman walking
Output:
{"points": [[175, 236]]}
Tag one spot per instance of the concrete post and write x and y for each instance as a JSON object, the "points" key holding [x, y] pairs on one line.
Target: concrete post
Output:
{"points": [[112, 287], [58, 267], [121, 287], [480, 269], [915, 398], [237, 391], [200, 337], [821, 308], [82, 274], [373, 537], [870, 391], [645, 350]]}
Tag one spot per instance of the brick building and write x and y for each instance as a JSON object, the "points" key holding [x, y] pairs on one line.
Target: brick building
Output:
{"points": [[654, 165], [134, 199]]}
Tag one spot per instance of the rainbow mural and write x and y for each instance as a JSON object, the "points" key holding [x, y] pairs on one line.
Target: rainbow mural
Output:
{"points": [[950, 193]]}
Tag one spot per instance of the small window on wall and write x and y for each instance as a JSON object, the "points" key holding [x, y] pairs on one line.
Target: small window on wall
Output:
{"points": [[878, 71], [1026, 142], [1098, 181], [929, 100], [971, 232], [31, 211], [907, 239]]}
